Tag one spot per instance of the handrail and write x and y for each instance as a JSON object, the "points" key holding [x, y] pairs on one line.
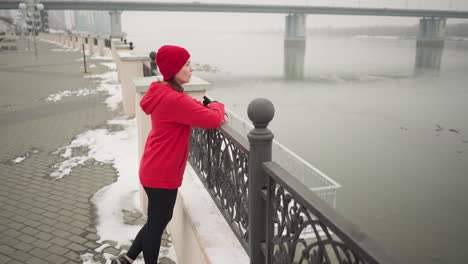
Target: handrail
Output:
{"points": [[338, 238]]}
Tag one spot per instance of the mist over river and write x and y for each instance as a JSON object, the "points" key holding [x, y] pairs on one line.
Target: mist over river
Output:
{"points": [[397, 144]]}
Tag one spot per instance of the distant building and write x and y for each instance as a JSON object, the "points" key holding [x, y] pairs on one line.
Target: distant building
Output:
{"points": [[6, 17], [97, 22]]}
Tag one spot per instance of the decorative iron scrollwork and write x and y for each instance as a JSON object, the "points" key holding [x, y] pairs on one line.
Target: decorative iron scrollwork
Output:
{"points": [[222, 167], [299, 237]]}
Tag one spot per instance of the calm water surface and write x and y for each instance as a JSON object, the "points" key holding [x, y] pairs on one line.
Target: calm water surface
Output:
{"points": [[397, 144]]}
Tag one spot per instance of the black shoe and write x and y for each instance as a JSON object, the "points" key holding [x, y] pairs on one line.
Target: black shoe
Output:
{"points": [[120, 260]]}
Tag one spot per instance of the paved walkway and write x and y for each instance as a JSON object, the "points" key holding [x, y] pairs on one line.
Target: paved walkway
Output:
{"points": [[45, 220]]}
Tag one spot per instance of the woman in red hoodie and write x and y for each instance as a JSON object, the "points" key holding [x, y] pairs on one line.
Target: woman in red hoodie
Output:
{"points": [[162, 166]]}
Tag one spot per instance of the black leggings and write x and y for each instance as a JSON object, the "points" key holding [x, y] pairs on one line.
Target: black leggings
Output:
{"points": [[160, 207]]}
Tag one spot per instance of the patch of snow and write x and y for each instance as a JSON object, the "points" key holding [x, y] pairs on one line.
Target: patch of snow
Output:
{"points": [[110, 65], [111, 86], [103, 246], [60, 95], [88, 259], [119, 149], [97, 57], [62, 50], [19, 159], [24, 157]]}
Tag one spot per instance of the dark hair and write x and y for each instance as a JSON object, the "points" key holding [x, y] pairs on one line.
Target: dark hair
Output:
{"points": [[172, 82]]}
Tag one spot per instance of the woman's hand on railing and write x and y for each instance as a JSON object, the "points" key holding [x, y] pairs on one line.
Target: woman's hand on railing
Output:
{"points": [[226, 120]]}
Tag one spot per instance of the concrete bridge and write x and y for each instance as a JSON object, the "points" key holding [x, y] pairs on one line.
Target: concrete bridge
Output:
{"points": [[430, 39]]}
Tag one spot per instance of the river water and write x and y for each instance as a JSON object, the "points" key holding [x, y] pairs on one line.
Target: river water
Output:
{"points": [[397, 144]]}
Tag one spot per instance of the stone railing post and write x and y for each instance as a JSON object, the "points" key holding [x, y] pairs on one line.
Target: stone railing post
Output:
{"points": [[90, 44], [68, 40], [130, 66], [100, 46], [260, 112]]}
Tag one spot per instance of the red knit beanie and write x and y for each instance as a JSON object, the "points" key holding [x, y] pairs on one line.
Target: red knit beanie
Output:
{"points": [[170, 59]]}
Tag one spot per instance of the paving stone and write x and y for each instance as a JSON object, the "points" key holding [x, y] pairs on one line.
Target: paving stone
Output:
{"points": [[32, 223], [30, 231], [92, 244], [8, 240], [76, 247], [27, 238], [5, 258], [92, 237], [58, 250], [4, 249], [79, 224], [38, 261], [12, 232], [15, 262], [56, 259], [21, 256], [35, 217], [23, 246], [111, 250], [62, 234], [40, 253], [165, 260], [77, 239], [15, 225], [44, 236], [42, 244], [59, 241], [46, 228], [51, 215], [72, 255], [77, 231]]}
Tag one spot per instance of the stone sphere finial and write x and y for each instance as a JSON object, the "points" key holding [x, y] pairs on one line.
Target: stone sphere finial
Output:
{"points": [[260, 112]]}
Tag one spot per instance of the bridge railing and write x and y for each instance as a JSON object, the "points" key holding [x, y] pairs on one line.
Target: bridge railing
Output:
{"points": [[276, 218], [317, 181]]}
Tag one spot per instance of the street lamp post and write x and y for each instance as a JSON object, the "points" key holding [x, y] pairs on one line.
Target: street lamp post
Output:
{"points": [[31, 7]]}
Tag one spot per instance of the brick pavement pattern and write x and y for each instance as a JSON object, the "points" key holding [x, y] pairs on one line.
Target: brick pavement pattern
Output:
{"points": [[45, 220]]}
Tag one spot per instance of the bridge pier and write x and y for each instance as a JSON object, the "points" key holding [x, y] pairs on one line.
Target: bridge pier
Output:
{"points": [[429, 45], [294, 46], [116, 24]]}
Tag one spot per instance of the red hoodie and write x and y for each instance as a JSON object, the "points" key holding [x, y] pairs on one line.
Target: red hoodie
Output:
{"points": [[167, 146]]}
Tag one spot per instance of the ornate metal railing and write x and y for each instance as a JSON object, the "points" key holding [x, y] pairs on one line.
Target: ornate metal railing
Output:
{"points": [[293, 211], [276, 218], [220, 158]]}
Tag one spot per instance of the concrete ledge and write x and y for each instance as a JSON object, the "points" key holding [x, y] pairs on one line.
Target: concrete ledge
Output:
{"points": [[196, 84], [199, 232]]}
